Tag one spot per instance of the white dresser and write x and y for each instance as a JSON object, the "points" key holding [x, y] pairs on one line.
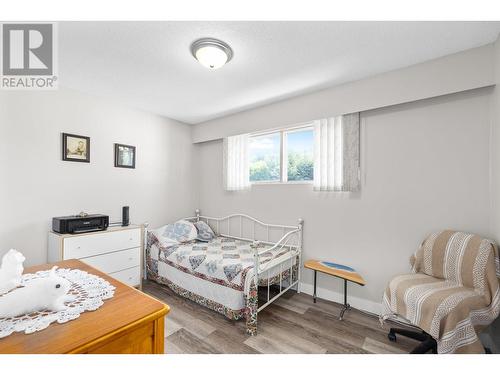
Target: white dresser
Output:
{"points": [[116, 251]]}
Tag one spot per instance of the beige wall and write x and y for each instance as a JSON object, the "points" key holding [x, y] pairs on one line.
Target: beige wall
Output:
{"points": [[35, 184], [425, 167]]}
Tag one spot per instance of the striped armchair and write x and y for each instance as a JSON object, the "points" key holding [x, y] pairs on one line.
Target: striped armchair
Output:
{"points": [[452, 293]]}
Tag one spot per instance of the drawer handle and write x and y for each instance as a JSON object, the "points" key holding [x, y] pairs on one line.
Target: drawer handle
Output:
{"points": [[131, 239], [130, 278], [130, 258]]}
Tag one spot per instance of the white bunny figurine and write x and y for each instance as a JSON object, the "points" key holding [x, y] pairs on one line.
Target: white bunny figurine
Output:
{"points": [[11, 271], [46, 293]]}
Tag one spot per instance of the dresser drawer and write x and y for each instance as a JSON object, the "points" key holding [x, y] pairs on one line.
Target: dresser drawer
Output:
{"points": [[116, 261], [131, 277], [100, 243]]}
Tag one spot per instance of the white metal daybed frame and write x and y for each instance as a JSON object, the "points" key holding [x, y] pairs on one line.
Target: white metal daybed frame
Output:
{"points": [[286, 261]]}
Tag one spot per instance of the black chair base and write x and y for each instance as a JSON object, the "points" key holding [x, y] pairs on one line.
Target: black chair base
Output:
{"points": [[427, 343]]}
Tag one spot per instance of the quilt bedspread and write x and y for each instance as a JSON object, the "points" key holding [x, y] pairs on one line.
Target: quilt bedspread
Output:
{"points": [[223, 261]]}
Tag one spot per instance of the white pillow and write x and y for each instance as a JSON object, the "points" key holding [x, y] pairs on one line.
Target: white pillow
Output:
{"points": [[181, 231], [205, 233]]}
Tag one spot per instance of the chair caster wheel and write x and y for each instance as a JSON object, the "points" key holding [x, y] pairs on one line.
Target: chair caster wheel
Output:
{"points": [[391, 336]]}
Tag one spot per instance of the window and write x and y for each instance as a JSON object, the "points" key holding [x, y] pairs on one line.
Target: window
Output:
{"points": [[300, 155], [264, 152], [282, 156]]}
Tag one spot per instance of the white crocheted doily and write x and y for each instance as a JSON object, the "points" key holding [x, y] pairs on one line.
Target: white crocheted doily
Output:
{"points": [[89, 291]]}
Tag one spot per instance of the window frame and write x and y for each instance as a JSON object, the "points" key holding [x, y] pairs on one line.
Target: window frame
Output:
{"points": [[283, 154]]}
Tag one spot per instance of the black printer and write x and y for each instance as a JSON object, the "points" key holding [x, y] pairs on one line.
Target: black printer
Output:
{"points": [[80, 223]]}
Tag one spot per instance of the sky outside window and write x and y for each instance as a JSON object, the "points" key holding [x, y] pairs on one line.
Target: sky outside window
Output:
{"points": [[265, 156]]}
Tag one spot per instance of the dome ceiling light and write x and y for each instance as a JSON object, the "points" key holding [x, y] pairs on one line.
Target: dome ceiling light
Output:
{"points": [[211, 53]]}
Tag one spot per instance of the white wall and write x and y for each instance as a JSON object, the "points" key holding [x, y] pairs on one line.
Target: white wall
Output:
{"points": [[425, 167], [462, 71], [495, 149], [37, 185], [494, 329]]}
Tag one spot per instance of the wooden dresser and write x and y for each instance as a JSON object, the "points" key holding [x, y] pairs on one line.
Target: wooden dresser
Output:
{"points": [[116, 251], [129, 323]]}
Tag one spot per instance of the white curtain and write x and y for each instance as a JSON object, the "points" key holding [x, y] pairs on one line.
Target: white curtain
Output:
{"points": [[336, 153], [236, 163]]}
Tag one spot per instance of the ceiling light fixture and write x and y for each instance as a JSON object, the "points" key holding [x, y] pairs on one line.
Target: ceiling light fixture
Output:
{"points": [[211, 53]]}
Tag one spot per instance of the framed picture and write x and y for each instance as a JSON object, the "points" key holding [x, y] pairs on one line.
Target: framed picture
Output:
{"points": [[124, 156], [75, 148]]}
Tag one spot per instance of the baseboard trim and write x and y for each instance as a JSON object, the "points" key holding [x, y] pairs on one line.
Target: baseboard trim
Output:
{"points": [[356, 302]]}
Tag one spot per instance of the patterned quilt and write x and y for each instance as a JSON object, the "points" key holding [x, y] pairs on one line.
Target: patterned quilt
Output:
{"points": [[223, 261], [453, 291]]}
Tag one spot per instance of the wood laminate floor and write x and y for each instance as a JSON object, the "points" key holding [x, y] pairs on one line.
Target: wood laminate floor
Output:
{"points": [[292, 324]]}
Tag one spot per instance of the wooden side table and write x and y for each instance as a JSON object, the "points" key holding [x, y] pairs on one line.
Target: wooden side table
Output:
{"points": [[338, 270], [131, 322]]}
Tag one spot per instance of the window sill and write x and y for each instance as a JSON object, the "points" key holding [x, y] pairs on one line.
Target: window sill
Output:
{"points": [[282, 183]]}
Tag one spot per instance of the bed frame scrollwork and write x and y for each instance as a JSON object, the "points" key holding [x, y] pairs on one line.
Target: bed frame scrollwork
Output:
{"points": [[289, 246]]}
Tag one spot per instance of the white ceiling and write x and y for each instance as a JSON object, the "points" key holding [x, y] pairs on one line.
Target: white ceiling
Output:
{"points": [[148, 65]]}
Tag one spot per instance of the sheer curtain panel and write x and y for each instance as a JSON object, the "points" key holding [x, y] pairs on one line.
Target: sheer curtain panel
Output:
{"points": [[236, 163], [336, 153]]}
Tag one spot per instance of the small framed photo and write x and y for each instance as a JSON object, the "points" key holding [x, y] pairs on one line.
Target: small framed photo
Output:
{"points": [[75, 148], [124, 156]]}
